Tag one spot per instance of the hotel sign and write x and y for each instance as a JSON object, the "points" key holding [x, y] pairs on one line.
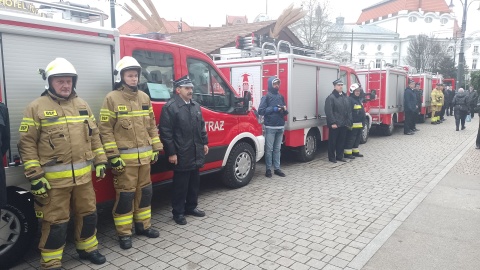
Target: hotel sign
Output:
{"points": [[19, 6]]}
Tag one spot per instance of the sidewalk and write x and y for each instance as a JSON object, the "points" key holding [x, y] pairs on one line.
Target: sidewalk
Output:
{"points": [[443, 232]]}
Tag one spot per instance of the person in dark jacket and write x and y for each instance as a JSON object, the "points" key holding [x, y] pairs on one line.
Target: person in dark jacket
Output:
{"points": [[354, 134], [419, 94], [185, 141], [410, 108], [4, 146], [339, 119], [460, 107], [273, 108], [472, 100], [444, 107], [448, 101]]}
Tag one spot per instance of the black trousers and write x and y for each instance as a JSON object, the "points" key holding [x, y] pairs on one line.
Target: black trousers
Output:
{"points": [[336, 142], [185, 191], [409, 123], [3, 186], [442, 112], [478, 135], [449, 109], [353, 139], [460, 117]]}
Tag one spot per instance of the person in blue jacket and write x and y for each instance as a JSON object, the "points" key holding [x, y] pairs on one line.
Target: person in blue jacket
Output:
{"points": [[273, 108], [410, 109]]}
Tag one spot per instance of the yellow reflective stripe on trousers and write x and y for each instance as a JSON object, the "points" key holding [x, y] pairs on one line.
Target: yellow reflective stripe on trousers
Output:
{"points": [[356, 150], [134, 114], [357, 125], [347, 151], [123, 220], [31, 163], [99, 151], [110, 145], [55, 255], [156, 139], [357, 107], [143, 215], [107, 112], [87, 244], [136, 153], [65, 171]]}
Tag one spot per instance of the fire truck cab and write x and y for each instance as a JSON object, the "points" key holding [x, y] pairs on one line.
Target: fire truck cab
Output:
{"points": [[29, 42]]}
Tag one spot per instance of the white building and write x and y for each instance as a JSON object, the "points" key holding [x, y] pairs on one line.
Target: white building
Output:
{"points": [[383, 32]]}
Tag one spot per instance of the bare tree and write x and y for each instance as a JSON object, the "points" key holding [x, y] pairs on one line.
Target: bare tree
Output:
{"points": [[313, 29], [426, 53]]}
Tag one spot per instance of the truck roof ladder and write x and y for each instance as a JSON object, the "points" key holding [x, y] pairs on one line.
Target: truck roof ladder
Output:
{"points": [[379, 92], [262, 62]]}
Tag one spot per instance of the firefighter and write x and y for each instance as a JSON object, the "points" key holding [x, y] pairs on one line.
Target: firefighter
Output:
{"points": [[59, 141], [354, 134], [437, 103], [132, 144]]}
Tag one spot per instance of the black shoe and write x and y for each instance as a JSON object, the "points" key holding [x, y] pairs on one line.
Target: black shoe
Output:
{"points": [[477, 147], [409, 133], [180, 220], [349, 156], [150, 232], [268, 174], [457, 129], [279, 173], [332, 160], [125, 241], [464, 127], [195, 212], [341, 159], [94, 256], [415, 129], [357, 155]]}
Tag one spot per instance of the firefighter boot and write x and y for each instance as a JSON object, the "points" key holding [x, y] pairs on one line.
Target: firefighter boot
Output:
{"points": [[150, 232], [125, 241], [356, 153], [94, 257]]}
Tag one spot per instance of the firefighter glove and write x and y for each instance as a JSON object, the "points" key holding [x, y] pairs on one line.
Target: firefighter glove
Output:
{"points": [[154, 157], [100, 171], [118, 164], [39, 187]]}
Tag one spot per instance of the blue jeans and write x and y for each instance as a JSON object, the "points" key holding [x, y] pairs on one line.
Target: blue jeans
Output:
{"points": [[273, 144]]}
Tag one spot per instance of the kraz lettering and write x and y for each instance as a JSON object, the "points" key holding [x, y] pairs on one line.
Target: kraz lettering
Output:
{"points": [[214, 125]]}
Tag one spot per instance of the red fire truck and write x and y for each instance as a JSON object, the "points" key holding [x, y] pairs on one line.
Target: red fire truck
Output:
{"points": [[449, 82], [426, 85], [388, 86], [28, 42]]}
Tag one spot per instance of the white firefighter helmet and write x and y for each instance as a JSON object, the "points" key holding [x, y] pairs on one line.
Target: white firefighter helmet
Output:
{"points": [[354, 87], [60, 67], [126, 63]]}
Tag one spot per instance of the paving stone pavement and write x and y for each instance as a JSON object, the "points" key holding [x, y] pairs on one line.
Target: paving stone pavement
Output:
{"points": [[321, 216]]}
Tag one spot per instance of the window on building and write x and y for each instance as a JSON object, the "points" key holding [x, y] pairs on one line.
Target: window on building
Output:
{"points": [[344, 60], [362, 47], [157, 74], [345, 46], [209, 89], [395, 62], [361, 61], [428, 19], [395, 48], [412, 19], [444, 21], [378, 63], [450, 49], [475, 49], [379, 47], [474, 64]]}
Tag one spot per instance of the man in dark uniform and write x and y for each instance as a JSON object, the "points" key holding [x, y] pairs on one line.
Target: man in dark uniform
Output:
{"points": [[419, 94], [185, 141], [410, 108], [4, 146], [339, 119]]}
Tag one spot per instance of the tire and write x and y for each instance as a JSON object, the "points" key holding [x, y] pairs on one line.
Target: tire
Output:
{"points": [[388, 129], [18, 226], [240, 167], [307, 152], [365, 133]]}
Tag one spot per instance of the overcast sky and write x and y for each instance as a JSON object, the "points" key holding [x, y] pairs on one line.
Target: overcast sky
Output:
{"points": [[212, 12]]}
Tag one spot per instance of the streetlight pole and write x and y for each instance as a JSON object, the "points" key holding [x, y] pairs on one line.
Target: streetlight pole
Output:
{"points": [[112, 13], [461, 54]]}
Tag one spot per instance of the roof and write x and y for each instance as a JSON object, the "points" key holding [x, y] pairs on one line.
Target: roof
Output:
{"points": [[362, 29], [133, 26], [232, 20], [386, 7], [211, 39]]}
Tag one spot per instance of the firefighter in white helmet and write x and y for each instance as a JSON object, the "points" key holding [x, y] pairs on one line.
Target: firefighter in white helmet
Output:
{"points": [[59, 142], [354, 134], [131, 141]]}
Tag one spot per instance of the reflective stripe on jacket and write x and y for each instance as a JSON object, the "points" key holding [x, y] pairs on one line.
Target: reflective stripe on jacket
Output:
{"points": [[128, 128], [59, 139], [358, 112]]}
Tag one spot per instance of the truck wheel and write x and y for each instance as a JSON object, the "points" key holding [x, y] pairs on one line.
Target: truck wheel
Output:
{"points": [[388, 129], [240, 166], [307, 152], [365, 132], [18, 227]]}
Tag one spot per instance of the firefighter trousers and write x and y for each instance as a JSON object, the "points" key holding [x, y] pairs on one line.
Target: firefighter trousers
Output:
{"points": [[133, 197], [55, 211], [436, 113], [352, 141]]}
